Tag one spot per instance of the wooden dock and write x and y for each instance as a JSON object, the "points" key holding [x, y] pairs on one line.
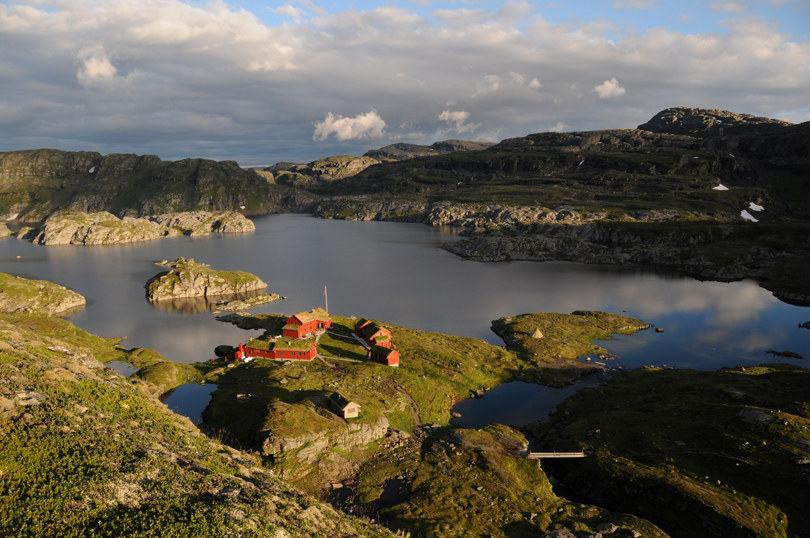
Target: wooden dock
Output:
{"points": [[548, 455]]}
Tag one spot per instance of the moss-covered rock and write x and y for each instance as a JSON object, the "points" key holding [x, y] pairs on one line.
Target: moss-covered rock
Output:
{"points": [[205, 222], [20, 295], [5, 231], [188, 278]]}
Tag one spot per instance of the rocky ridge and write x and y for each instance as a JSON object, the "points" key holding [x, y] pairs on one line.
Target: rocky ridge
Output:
{"points": [[702, 122], [401, 150], [187, 278]]}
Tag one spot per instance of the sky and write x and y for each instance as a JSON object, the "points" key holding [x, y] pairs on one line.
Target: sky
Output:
{"points": [[263, 82]]}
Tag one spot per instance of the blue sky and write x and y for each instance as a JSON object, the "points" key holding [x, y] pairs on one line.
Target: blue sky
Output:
{"points": [[261, 82]]}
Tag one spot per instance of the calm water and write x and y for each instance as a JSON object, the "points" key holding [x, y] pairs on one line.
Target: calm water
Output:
{"points": [[397, 273]]}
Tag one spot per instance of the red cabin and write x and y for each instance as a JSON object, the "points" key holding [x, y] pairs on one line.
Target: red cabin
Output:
{"points": [[281, 349], [304, 324], [372, 333], [384, 355]]}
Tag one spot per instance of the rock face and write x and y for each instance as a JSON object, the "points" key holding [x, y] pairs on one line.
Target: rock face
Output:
{"points": [[708, 122], [103, 228], [20, 295], [188, 278], [350, 436], [205, 222], [401, 151], [4, 230], [99, 228]]}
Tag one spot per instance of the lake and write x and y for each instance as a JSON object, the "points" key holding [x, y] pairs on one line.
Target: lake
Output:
{"points": [[397, 273]]}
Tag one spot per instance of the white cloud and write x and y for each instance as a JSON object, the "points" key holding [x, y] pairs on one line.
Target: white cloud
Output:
{"points": [[458, 119], [609, 89], [197, 78], [95, 66], [559, 127], [368, 125]]}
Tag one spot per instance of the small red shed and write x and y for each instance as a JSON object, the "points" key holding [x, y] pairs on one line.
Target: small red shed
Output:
{"points": [[372, 333], [384, 355]]}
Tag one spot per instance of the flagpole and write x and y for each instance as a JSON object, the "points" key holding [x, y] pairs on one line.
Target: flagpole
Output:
{"points": [[326, 299]]}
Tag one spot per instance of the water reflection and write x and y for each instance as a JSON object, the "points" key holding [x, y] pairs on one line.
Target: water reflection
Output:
{"points": [[196, 305], [397, 273]]}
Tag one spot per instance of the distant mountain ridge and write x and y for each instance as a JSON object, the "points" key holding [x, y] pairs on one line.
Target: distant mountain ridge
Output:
{"points": [[402, 150]]}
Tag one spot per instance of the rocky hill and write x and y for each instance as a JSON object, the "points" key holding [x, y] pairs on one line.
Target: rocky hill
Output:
{"points": [[401, 150], [702, 122], [35, 183]]}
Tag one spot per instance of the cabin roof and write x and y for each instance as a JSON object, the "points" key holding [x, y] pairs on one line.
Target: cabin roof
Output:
{"points": [[341, 400], [316, 314], [294, 344], [260, 344]]}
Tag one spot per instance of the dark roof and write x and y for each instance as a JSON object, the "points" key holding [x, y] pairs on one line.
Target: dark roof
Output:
{"points": [[369, 330], [341, 400]]}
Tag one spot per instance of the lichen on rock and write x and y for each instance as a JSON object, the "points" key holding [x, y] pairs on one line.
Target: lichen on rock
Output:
{"points": [[188, 278]]}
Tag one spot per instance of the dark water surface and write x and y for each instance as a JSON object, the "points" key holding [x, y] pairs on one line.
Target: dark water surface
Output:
{"points": [[397, 273]]}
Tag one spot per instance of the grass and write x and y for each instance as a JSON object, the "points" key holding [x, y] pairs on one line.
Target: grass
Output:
{"points": [[693, 440], [90, 453]]}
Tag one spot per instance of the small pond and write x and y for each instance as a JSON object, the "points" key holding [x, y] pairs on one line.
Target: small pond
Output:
{"points": [[123, 368], [190, 400], [518, 403]]}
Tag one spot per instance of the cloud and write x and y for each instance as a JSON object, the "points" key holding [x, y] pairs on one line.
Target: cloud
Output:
{"points": [[609, 89], [458, 119], [207, 79], [635, 4], [368, 125], [729, 6], [95, 66]]}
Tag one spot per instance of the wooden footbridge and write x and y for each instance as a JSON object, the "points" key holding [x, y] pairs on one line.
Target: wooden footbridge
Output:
{"points": [[549, 455]]}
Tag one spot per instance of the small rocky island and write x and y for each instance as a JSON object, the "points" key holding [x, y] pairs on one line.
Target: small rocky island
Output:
{"points": [[103, 228], [188, 278]]}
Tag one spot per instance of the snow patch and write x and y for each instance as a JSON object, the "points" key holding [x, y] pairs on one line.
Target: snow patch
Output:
{"points": [[755, 207], [92, 169], [720, 187], [581, 163], [747, 216]]}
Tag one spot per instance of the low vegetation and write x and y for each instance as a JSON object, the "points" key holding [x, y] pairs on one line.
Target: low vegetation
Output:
{"points": [[88, 452], [720, 453]]}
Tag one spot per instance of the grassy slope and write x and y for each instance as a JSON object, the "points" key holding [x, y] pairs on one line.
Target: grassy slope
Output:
{"points": [[672, 446], [87, 452], [435, 372]]}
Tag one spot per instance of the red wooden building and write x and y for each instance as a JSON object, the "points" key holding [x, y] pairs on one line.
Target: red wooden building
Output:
{"points": [[372, 333], [282, 349], [304, 324], [384, 355]]}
